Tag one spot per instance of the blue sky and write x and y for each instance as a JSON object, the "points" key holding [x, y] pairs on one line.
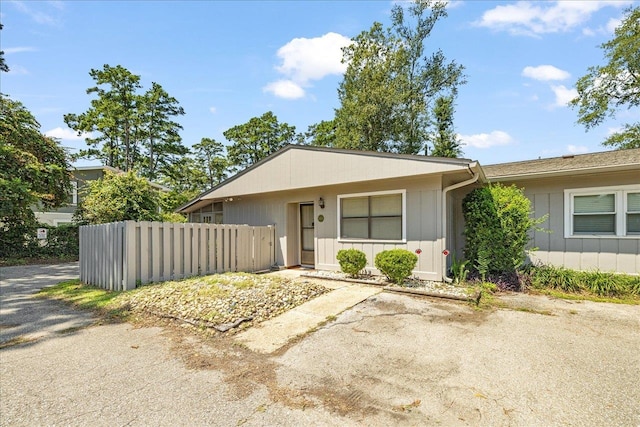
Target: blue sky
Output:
{"points": [[228, 61]]}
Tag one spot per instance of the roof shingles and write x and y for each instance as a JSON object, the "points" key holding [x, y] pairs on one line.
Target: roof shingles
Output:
{"points": [[580, 162]]}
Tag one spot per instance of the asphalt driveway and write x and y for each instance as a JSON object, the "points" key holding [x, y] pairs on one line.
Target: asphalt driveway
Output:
{"points": [[391, 360]]}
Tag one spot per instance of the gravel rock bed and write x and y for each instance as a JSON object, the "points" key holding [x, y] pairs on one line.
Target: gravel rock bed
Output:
{"points": [[426, 287], [221, 299]]}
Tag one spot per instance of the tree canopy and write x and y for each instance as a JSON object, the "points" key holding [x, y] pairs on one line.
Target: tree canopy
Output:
{"points": [[444, 139], [390, 85], [256, 139], [119, 197], [129, 130], [34, 170], [607, 89]]}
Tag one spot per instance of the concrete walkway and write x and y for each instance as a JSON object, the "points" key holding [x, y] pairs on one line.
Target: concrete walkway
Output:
{"points": [[273, 334]]}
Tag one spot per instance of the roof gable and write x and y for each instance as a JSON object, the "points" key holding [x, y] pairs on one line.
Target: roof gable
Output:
{"points": [[297, 167]]}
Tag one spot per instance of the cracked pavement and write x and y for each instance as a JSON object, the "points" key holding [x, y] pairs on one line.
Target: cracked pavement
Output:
{"points": [[391, 360]]}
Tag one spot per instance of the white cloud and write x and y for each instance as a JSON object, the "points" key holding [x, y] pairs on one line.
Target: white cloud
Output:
{"points": [[10, 50], [285, 89], [612, 24], [577, 149], [563, 95], [67, 134], [528, 18], [38, 16], [545, 73], [486, 140], [213, 110], [308, 59]]}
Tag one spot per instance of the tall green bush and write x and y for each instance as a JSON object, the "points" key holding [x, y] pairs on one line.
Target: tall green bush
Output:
{"points": [[396, 264], [498, 227]]}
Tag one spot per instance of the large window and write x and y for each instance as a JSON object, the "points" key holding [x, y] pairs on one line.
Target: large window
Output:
{"points": [[607, 211], [372, 216]]}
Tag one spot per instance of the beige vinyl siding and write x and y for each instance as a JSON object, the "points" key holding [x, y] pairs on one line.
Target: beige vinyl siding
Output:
{"points": [[610, 253], [423, 222]]}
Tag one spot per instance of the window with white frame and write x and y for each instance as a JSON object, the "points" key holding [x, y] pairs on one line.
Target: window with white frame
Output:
{"points": [[376, 216], [604, 211], [72, 198]]}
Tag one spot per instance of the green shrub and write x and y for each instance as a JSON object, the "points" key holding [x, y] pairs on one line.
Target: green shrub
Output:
{"points": [[560, 278], [396, 264], [498, 228], [352, 261]]}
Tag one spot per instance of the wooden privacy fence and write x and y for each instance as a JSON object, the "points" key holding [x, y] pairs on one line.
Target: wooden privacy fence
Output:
{"points": [[123, 255]]}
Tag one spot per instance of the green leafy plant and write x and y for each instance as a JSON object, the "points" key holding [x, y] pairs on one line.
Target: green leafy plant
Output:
{"points": [[498, 227], [459, 270], [396, 264], [352, 261]]}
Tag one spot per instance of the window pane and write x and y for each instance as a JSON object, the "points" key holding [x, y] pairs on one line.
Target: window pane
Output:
{"points": [[355, 228], [218, 218], [633, 202], [217, 207], [307, 239], [306, 215], [388, 205], [633, 223], [355, 206], [594, 224], [386, 228], [593, 204]]}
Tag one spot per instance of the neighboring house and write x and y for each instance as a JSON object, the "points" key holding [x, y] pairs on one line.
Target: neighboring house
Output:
{"points": [[322, 200], [593, 207], [81, 176]]}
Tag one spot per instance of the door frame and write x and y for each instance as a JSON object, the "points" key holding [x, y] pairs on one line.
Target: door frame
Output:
{"points": [[312, 204]]}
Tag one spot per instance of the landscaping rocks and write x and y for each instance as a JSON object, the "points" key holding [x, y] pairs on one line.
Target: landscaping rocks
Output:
{"points": [[221, 300], [422, 287]]}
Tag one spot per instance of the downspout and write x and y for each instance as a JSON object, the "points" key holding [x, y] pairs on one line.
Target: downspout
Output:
{"points": [[474, 178]]}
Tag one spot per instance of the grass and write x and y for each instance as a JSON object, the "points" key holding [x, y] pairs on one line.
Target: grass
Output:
{"points": [[84, 297]]}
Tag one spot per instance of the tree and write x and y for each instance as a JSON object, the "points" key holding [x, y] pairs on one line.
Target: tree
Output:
{"points": [[119, 197], [390, 83], [322, 134], [134, 131], [444, 139], [160, 134], [605, 90], [258, 138], [3, 65], [113, 115], [209, 156], [34, 170]]}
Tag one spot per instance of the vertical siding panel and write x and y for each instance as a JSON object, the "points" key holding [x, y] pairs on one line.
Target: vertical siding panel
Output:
{"points": [[220, 248], [572, 256], [608, 255], [541, 240], [589, 255], [202, 244], [629, 256], [557, 243]]}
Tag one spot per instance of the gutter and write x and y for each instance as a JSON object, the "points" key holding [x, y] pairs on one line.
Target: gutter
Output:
{"points": [[474, 177]]}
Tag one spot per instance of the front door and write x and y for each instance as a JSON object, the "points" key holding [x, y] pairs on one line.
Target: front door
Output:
{"points": [[307, 255]]}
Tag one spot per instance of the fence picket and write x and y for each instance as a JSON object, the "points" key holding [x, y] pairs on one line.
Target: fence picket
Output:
{"points": [[119, 256]]}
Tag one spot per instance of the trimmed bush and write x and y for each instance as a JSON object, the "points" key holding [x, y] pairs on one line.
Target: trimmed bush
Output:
{"points": [[498, 228], [352, 261], [396, 264]]}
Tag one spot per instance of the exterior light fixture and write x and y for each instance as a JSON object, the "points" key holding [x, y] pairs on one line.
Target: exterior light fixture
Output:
{"points": [[321, 203]]}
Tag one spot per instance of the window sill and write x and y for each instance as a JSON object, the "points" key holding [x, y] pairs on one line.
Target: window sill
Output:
{"points": [[398, 242], [602, 236]]}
